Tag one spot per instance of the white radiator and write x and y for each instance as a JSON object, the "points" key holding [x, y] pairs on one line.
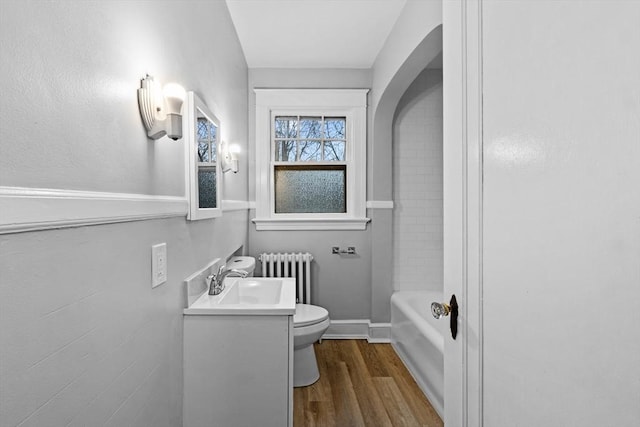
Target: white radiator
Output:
{"points": [[296, 265]]}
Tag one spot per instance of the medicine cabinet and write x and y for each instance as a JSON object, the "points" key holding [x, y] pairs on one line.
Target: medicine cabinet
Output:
{"points": [[203, 172]]}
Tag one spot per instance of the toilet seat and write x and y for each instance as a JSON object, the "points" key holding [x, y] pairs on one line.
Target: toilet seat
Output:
{"points": [[307, 314]]}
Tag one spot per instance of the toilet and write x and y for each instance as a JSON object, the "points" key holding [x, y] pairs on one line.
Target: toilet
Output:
{"points": [[310, 322], [242, 263]]}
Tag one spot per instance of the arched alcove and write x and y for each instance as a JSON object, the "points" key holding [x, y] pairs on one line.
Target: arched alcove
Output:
{"points": [[384, 105]]}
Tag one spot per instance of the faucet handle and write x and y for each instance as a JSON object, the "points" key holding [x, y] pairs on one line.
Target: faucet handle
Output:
{"points": [[220, 270], [209, 279]]}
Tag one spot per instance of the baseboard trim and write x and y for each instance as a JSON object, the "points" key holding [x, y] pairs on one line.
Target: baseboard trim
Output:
{"points": [[380, 332], [359, 329], [34, 209]]}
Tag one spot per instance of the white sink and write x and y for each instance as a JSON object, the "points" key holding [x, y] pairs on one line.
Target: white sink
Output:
{"points": [[253, 291], [250, 296]]}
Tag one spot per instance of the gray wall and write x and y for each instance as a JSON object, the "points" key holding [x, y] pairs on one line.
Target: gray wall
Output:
{"points": [[360, 287], [417, 186], [83, 337], [84, 340], [340, 284]]}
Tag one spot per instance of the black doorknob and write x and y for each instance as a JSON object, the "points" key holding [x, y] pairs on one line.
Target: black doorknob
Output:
{"points": [[440, 310]]}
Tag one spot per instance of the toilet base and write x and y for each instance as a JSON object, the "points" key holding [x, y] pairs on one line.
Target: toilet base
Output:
{"points": [[305, 367]]}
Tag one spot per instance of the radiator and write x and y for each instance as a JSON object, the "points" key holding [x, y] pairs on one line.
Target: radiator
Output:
{"points": [[296, 265]]}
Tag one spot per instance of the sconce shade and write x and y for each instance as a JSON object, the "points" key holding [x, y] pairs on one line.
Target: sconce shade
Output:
{"points": [[174, 97], [160, 111]]}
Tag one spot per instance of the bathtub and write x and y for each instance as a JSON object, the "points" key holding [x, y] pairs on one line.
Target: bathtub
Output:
{"points": [[418, 339]]}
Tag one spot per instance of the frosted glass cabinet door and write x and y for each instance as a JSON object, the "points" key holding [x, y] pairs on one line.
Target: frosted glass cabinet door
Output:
{"points": [[202, 165]]}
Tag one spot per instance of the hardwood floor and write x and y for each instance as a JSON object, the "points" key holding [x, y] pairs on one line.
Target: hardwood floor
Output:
{"points": [[364, 385]]}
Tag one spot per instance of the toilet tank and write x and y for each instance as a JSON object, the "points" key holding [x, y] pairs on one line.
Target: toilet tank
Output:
{"points": [[242, 263]]}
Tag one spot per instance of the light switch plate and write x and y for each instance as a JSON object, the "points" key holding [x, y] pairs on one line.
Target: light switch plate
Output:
{"points": [[158, 264]]}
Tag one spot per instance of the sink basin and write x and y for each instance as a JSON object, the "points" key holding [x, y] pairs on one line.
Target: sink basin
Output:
{"points": [[253, 291], [249, 296]]}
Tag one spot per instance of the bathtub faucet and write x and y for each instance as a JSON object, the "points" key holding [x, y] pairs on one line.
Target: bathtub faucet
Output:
{"points": [[215, 282]]}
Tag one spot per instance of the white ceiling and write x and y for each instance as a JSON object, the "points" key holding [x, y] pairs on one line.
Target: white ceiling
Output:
{"points": [[313, 33]]}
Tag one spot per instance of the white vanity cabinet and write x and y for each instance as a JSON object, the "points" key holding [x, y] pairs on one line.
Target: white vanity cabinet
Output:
{"points": [[238, 370]]}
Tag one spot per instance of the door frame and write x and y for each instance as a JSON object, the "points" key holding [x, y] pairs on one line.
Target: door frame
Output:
{"points": [[463, 192]]}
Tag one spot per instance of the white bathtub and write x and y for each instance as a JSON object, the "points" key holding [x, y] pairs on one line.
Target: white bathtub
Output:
{"points": [[418, 339]]}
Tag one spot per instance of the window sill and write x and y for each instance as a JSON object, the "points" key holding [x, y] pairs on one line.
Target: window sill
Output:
{"points": [[265, 224]]}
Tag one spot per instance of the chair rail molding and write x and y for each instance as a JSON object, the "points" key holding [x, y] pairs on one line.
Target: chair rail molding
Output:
{"points": [[235, 205], [31, 209], [379, 204]]}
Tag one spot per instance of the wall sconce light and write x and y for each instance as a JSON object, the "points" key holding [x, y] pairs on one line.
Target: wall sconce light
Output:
{"points": [[230, 157], [160, 110]]}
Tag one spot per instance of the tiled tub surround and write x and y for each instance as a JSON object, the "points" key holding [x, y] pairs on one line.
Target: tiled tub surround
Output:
{"points": [[417, 186]]}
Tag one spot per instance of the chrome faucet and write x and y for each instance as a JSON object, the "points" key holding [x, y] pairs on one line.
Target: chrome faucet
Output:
{"points": [[215, 282]]}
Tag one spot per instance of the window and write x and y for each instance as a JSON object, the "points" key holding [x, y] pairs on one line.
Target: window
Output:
{"points": [[309, 167], [310, 159]]}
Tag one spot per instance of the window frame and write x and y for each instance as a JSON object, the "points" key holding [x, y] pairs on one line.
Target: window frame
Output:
{"points": [[348, 162], [348, 103]]}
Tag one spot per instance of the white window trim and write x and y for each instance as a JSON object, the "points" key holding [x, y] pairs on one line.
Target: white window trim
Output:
{"points": [[350, 103]]}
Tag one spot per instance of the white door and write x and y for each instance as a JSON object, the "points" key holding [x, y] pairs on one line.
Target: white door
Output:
{"points": [[549, 212]]}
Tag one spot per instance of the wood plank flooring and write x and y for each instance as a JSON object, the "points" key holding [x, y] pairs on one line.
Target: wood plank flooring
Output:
{"points": [[361, 384]]}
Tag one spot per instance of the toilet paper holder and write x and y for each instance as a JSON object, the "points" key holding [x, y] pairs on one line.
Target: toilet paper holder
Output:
{"points": [[351, 250]]}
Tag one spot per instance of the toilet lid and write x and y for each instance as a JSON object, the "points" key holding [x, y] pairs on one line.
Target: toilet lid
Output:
{"points": [[243, 263], [307, 314]]}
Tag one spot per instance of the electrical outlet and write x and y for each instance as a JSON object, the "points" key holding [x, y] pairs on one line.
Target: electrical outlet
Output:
{"points": [[158, 264]]}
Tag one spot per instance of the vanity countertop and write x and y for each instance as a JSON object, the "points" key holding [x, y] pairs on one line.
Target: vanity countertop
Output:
{"points": [[249, 296]]}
